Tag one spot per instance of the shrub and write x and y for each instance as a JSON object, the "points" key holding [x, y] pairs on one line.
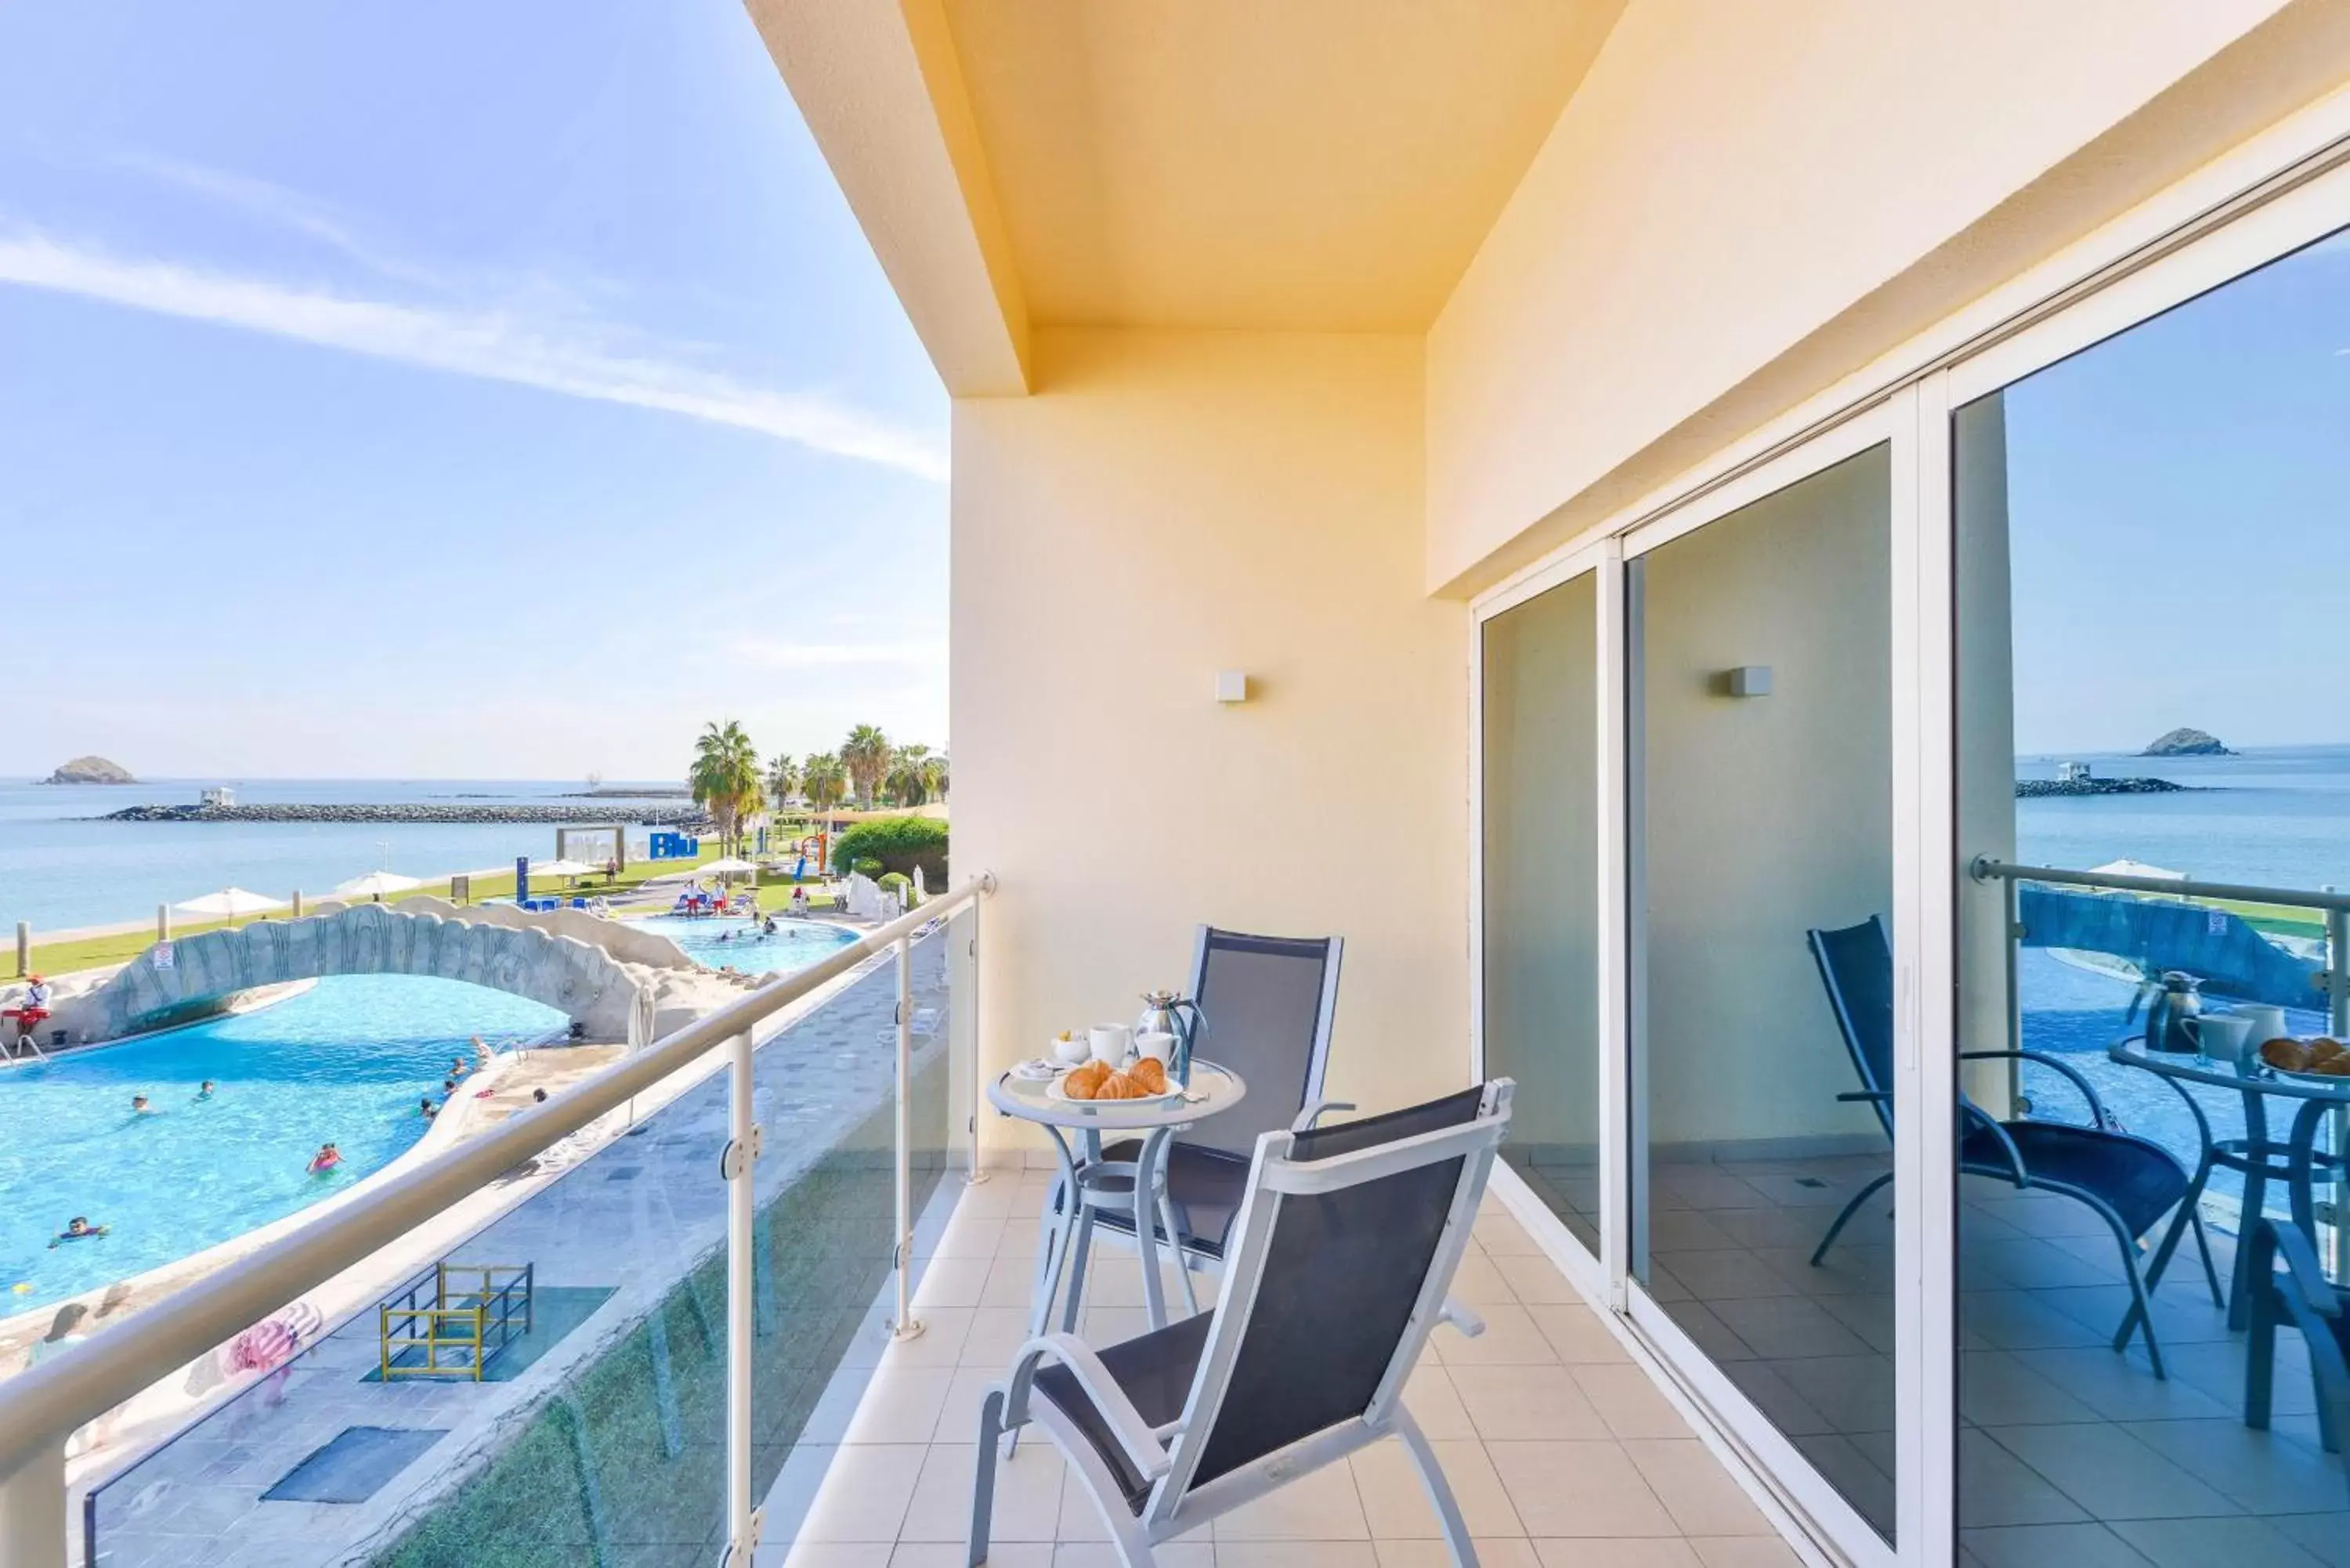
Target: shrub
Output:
{"points": [[896, 882], [899, 843], [866, 867]]}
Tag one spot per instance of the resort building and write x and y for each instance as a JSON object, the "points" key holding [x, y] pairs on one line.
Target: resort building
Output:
{"points": [[1607, 440]]}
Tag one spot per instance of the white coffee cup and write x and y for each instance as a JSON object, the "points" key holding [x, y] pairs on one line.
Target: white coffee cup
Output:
{"points": [[1111, 1042], [2263, 1025], [1159, 1048], [2221, 1037]]}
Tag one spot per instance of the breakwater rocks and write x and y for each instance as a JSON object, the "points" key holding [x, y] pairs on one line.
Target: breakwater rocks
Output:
{"points": [[690, 816], [2035, 789]]}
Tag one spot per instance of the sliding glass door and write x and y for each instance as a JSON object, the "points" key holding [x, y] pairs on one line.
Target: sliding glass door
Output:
{"points": [[1760, 726], [1539, 899]]}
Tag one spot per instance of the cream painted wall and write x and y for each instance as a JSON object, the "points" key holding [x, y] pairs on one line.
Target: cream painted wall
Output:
{"points": [[1164, 507], [1765, 815], [1743, 202]]}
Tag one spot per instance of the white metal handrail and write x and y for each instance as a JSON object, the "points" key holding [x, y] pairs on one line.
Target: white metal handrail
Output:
{"points": [[40, 1408]]}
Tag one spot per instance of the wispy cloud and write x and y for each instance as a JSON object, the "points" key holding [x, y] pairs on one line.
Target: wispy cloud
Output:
{"points": [[280, 207], [778, 654], [565, 354]]}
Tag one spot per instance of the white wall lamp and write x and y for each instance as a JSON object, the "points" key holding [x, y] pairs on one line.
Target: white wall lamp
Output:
{"points": [[1232, 686]]}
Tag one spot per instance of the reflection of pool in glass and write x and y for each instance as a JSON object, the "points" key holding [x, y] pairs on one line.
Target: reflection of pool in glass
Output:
{"points": [[344, 1062], [719, 941], [2076, 1014]]}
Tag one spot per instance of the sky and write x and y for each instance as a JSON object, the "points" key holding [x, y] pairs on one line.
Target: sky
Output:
{"points": [[2179, 504], [445, 390]]}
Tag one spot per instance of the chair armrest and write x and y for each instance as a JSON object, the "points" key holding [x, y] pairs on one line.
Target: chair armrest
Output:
{"points": [[2300, 1261], [1315, 1111], [1134, 1435], [2097, 1107], [1452, 1312]]}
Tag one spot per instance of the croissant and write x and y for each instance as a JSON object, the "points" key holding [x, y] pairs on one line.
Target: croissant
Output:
{"points": [[2286, 1052], [1084, 1081], [2324, 1049], [1119, 1087], [1150, 1075]]}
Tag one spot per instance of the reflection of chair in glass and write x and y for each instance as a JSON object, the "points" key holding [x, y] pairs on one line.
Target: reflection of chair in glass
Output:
{"points": [[1265, 1005], [1347, 1241], [2128, 1182], [2303, 1297]]}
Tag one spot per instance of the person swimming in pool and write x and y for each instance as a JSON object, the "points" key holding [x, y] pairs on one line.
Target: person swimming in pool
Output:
{"points": [[458, 1068], [140, 1107], [426, 1107], [204, 1090], [482, 1052], [77, 1229], [326, 1160]]}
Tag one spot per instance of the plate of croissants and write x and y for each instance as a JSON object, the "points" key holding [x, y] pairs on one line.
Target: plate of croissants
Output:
{"points": [[1099, 1081], [2318, 1058]]}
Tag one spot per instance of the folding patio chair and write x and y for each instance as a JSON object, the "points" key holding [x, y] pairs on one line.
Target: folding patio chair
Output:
{"points": [[2128, 1182], [1265, 1006], [1336, 1270]]}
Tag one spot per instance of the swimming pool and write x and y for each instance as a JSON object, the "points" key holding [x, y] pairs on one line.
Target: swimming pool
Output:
{"points": [[795, 944], [345, 1061]]}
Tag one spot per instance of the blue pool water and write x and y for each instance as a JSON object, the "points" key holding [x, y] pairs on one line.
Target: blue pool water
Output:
{"points": [[795, 944], [345, 1061]]}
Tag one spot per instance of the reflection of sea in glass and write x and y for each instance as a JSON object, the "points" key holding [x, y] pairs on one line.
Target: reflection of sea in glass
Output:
{"points": [[2149, 531]]}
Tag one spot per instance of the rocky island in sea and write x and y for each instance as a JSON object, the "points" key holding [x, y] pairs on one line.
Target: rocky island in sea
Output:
{"points": [[91, 771], [2186, 742]]}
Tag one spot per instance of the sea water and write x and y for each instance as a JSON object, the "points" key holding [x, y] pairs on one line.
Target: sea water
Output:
{"points": [[62, 867], [2278, 816]]}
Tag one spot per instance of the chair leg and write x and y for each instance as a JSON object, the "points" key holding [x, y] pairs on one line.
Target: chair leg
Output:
{"points": [[1440, 1490], [2141, 1311], [983, 1480], [1844, 1217], [1081, 1247]]}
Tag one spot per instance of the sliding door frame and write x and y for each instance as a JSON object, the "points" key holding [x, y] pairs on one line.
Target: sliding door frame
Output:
{"points": [[2282, 190], [1890, 422], [1603, 561]]}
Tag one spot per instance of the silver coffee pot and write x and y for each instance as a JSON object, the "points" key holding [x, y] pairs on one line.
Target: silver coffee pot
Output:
{"points": [[1171, 1012]]}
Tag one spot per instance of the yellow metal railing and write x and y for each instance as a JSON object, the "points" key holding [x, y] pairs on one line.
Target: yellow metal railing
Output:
{"points": [[472, 1311]]}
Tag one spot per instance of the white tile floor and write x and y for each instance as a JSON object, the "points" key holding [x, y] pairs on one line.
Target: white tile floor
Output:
{"points": [[1562, 1452]]}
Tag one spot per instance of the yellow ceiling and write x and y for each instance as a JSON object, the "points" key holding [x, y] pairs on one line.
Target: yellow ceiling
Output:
{"points": [[1322, 165]]}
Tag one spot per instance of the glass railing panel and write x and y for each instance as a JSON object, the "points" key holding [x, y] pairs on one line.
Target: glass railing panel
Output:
{"points": [[599, 1437]]}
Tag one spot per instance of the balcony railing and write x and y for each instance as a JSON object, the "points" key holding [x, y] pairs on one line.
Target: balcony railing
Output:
{"points": [[43, 1408]]}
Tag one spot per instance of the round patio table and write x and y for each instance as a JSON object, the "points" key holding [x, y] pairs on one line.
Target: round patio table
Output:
{"points": [[2255, 1155], [1089, 1185]]}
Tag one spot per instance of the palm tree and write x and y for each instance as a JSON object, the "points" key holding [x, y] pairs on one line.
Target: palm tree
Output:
{"points": [[908, 781], [866, 755], [783, 778], [823, 779], [934, 777], [725, 778]]}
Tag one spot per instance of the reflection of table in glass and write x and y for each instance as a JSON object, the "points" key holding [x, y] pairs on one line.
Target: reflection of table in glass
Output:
{"points": [[1090, 1185], [2260, 1159]]}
